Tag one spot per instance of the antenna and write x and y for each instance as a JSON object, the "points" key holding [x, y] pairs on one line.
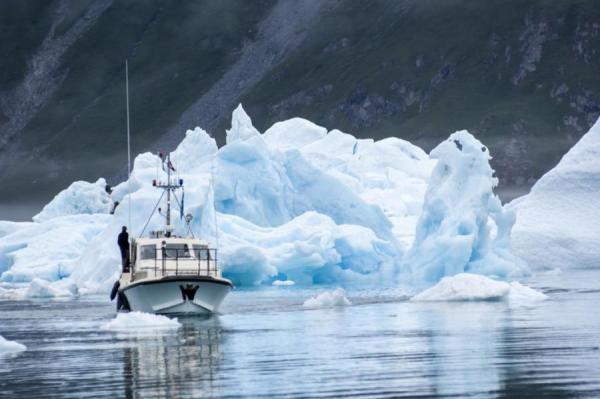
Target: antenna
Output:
{"points": [[212, 186], [128, 141]]}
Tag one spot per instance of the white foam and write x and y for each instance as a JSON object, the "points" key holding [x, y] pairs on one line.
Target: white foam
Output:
{"points": [[7, 346], [136, 321], [328, 299]]}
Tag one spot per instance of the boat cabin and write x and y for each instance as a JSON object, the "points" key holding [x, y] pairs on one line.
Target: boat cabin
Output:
{"points": [[173, 256]]}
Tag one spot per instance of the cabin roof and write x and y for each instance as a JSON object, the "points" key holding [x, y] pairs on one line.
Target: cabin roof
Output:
{"points": [[170, 240]]}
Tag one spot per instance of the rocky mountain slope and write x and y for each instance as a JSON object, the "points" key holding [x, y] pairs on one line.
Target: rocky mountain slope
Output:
{"points": [[519, 74]]}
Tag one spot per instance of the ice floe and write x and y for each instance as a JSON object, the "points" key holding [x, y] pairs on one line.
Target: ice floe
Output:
{"points": [[7, 346], [475, 287], [328, 299]]}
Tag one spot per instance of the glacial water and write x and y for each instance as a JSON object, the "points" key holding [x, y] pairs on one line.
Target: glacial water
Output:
{"points": [[265, 344]]}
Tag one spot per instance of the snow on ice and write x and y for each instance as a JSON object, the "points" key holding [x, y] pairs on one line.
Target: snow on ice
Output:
{"points": [[295, 203]]}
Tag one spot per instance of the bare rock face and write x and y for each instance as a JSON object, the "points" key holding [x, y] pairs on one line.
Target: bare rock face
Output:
{"points": [[44, 71], [531, 45]]}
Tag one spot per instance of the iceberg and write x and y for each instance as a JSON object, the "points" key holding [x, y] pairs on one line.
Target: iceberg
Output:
{"points": [[39, 288], [558, 222], [297, 203], [474, 287], [79, 198], [48, 250], [328, 300], [463, 226], [7, 346], [309, 249]]}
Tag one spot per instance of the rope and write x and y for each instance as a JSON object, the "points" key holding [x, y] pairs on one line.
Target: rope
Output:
{"points": [[152, 214]]}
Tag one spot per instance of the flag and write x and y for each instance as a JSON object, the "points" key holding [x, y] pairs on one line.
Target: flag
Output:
{"points": [[170, 165]]}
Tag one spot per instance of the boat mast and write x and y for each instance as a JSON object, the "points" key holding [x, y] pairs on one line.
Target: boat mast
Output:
{"points": [[168, 191], [128, 141]]}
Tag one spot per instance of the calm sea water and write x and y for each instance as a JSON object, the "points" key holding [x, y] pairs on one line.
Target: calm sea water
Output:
{"points": [[264, 344]]}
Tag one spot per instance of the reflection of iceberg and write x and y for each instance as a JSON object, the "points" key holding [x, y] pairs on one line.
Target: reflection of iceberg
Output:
{"points": [[159, 367], [558, 222], [464, 356]]}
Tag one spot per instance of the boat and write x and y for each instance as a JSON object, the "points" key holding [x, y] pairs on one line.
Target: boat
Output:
{"points": [[169, 274]]}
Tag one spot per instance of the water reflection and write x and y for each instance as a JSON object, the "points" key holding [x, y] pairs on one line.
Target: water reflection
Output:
{"points": [[172, 366], [464, 346], [267, 344]]}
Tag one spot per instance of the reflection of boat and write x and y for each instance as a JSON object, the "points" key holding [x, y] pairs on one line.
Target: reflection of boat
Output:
{"points": [[163, 366], [170, 274]]}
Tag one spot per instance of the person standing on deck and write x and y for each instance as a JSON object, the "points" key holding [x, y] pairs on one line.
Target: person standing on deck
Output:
{"points": [[123, 242]]}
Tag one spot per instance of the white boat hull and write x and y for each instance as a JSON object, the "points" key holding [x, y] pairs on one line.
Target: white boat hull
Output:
{"points": [[177, 294]]}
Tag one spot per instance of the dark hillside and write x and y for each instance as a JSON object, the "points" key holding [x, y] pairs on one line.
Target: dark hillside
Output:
{"points": [[520, 74]]}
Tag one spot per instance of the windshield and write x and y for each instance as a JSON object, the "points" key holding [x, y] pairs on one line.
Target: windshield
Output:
{"points": [[202, 252], [177, 251]]}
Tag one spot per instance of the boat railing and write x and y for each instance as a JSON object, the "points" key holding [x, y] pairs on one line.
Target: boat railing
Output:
{"points": [[178, 262]]}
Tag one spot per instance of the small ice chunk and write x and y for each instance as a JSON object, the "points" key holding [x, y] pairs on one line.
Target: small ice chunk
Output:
{"points": [[135, 321], [475, 287], [7, 346], [283, 282], [465, 287], [328, 299]]}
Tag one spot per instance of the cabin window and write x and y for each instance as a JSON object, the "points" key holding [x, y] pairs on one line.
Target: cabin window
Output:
{"points": [[201, 252], [178, 251], [147, 252]]}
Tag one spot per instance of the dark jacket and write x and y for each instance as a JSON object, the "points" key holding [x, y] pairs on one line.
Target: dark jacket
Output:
{"points": [[123, 240]]}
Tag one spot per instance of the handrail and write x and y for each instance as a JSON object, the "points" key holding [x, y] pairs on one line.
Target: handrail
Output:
{"points": [[176, 261]]}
